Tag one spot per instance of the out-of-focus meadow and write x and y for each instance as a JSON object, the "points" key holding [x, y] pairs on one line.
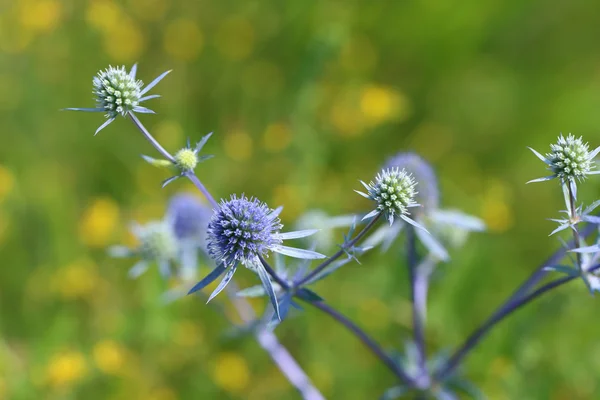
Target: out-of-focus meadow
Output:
{"points": [[305, 98]]}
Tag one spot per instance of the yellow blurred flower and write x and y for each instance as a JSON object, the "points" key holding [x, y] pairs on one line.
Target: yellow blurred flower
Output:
{"points": [[183, 39], [40, 16], [277, 137], [238, 145], [187, 334], [235, 38], [231, 372], [103, 14], [109, 357], [77, 280], [496, 211], [124, 42], [99, 222], [380, 104], [66, 369]]}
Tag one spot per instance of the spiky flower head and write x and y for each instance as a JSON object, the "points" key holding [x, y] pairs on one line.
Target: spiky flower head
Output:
{"points": [[157, 244], [118, 92], [569, 159], [185, 160], [429, 193], [242, 229], [394, 193]]}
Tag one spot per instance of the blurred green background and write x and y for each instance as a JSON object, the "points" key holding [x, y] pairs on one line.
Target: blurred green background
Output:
{"points": [[305, 98]]}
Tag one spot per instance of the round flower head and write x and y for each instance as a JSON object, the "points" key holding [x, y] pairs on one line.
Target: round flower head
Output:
{"points": [[189, 218], [569, 159], [116, 91], [157, 243], [429, 194], [242, 229], [394, 192]]}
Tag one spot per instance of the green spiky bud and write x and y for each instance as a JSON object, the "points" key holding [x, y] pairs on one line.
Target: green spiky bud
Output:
{"points": [[186, 159], [157, 242], [116, 91]]}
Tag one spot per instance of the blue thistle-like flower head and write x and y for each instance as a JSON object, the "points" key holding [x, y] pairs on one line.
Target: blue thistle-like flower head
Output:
{"points": [[242, 229], [429, 193], [569, 160], [394, 193], [189, 218], [118, 92]]}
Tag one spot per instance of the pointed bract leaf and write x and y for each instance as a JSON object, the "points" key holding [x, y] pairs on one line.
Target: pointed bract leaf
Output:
{"points": [[592, 207], [275, 213], [120, 252], [366, 196], [157, 162], [268, 286], [84, 109], [252, 291], [169, 180], [545, 178], [133, 71], [459, 219], [308, 295], [371, 214], [284, 305], [541, 157], [202, 142], [589, 249], [208, 279], [560, 228], [413, 223], [223, 283], [591, 219], [433, 245], [143, 110], [104, 125], [138, 269], [154, 82], [152, 96], [298, 234], [297, 253], [563, 269], [329, 270]]}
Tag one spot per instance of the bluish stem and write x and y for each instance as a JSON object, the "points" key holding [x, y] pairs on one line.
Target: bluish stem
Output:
{"points": [[480, 332], [366, 340], [339, 253], [284, 285], [194, 179], [149, 137], [418, 306]]}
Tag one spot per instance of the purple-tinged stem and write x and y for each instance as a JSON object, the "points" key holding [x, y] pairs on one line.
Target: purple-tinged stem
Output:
{"points": [[340, 252], [194, 179], [417, 285], [366, 340], [149, 137], [480, 332]]}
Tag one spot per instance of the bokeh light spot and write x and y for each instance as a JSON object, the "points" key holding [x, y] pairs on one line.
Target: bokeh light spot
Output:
{"points": [[109, 357], [183, 39], [231, 372], [99, 222], [277, 137], [238, 145], [125, 42], [66, 368], [169, 134], [235, 38], [40, 16], [77, 280], [381, 104], [103, 15]]}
